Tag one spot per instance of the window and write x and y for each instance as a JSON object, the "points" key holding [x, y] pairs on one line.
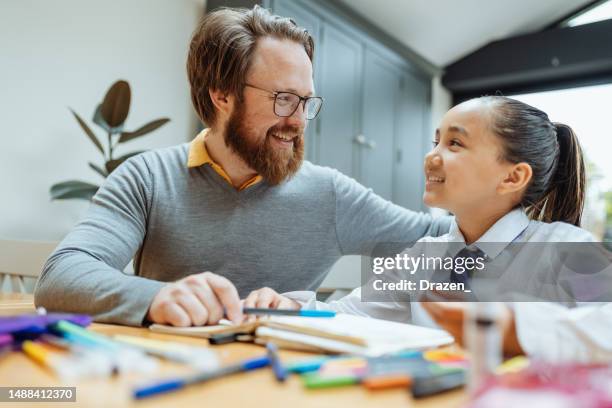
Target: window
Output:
{"points": [[601, 11], [587, 111]]}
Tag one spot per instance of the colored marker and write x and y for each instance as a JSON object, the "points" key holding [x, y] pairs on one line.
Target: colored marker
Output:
{"points": [[6, 340], [125, 358], [279, 371], [387, 381], [64, 367], [308, 365], [313, 364], [77, 333], [179, 383], [93, 361], [198, 357], [287, 312], [38, 324], [319, 381]]}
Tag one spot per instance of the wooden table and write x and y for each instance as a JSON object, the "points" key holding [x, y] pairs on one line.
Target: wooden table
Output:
{"points": [[256, 389]]}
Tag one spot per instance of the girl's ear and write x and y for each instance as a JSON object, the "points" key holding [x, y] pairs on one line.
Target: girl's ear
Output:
{"points": [[516, 179]]}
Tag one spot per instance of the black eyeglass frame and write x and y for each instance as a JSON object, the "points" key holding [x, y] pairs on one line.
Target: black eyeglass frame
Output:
{"points": [[304, 99]]}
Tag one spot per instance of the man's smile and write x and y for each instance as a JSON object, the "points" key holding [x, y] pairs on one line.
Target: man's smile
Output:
{"points": [[283, 139]]}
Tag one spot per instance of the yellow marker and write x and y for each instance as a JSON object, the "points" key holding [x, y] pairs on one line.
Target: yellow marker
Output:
{"points": [[444, 354], [513, 365], [64, 367], [37, 352]]}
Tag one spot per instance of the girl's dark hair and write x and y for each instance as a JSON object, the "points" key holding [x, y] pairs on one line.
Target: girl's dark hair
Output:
{"points": [[557, 188]]}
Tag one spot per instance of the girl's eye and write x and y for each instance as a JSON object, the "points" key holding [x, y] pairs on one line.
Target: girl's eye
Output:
{"points": [[455, 142], [435, 143]]}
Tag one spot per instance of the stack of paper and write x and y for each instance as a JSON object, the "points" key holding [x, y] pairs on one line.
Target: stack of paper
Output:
{"points": [[341, 334]]}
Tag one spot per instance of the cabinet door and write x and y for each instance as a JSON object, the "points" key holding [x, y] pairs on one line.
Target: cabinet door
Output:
{"points": [[381, 84], [412, 142], [311, 22], [340, 63]]}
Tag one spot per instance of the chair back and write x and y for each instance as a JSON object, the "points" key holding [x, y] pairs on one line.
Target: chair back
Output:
{"points": [[21, 263]]}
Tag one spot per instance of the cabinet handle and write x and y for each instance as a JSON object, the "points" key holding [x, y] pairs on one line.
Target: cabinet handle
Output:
{"points": [[360, 140]]}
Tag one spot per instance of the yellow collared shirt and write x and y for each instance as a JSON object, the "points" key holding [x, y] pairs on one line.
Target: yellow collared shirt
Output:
{"points": [[198, 156]]}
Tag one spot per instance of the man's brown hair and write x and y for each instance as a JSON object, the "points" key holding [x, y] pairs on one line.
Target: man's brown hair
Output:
{"points": [[222, 47]]}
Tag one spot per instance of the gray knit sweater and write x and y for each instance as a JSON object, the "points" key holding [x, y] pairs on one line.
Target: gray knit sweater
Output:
{"points": [[176, 221]]}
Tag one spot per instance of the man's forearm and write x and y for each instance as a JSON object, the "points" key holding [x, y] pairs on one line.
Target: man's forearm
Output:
{"points": [[74, 281]]}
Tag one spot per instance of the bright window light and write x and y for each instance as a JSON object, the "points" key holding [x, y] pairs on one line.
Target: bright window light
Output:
{"points": [[599, 13]]}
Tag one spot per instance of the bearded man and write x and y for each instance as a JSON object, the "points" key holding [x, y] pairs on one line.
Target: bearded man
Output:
{"points": [[234, 210]]}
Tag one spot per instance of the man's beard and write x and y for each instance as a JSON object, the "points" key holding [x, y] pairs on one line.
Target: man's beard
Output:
{"points": [[273, 164]]}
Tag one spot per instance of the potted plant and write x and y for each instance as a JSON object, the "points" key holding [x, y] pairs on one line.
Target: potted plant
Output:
{"points": [[110, 115]]}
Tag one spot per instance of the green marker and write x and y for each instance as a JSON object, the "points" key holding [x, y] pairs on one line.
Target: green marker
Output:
{"points": [[314, 381]]}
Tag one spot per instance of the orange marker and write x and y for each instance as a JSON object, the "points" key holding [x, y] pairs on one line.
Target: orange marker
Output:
{"points": [[384, 382]]}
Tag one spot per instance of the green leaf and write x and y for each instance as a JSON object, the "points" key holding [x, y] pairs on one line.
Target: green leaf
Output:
{"points": [[73, 189], [149, 127], [88, 131], [111, 165], [99, 120], [97, 169], [116, 104]]}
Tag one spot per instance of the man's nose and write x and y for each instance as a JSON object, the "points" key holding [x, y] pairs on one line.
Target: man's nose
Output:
{"points": [[298, 119]]}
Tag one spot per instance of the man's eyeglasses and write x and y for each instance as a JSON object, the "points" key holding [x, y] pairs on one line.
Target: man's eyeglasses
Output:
{"points": [[286, 103]]}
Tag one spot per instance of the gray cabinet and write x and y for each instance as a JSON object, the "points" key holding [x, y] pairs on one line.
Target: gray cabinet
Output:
{"points": [[374, 122], [413, 139], [381, 86], [338, 124]]}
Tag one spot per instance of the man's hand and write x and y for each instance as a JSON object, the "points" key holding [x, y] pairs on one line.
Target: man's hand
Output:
{"points": [[196, 300], [451, 315], [269, 299]]}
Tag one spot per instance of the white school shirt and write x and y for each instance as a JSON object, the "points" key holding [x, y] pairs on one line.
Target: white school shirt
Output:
{"points": [[545, 330]]}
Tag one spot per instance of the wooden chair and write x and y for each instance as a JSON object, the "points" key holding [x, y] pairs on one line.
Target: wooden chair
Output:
{"points": [[21, 263]]}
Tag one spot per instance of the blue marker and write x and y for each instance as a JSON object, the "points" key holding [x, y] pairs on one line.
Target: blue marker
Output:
{"points": [[177, 384], [279, 371], [287, 312], [309, 365]]}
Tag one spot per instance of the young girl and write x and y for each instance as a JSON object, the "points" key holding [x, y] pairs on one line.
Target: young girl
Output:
{"points": [[508, 174]]}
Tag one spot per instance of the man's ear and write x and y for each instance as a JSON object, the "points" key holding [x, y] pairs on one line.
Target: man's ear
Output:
{"points": [[222, 101], [517, 178]]}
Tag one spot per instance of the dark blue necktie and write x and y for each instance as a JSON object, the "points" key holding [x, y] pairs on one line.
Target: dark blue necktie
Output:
{"points": [[465, 275]]}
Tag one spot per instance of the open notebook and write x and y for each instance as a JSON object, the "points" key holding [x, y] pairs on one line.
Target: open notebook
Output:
{"points": [[341, 334]]}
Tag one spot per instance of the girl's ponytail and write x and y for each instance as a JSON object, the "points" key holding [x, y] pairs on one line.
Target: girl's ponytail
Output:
{"points": [[564, 200]]}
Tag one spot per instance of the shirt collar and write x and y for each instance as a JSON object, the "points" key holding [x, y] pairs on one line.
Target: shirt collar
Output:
{"points": [[198, 156], [506, 230]]}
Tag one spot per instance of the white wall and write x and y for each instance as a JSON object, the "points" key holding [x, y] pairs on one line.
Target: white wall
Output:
{"points": [[61, 53], [441, 101]]}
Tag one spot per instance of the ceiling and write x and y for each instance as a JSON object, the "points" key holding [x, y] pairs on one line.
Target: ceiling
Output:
{"points": [[443, 31]]}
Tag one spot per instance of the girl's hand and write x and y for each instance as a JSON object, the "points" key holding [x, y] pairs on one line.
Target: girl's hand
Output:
{"points": [[451, 315], [268, 299]]}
